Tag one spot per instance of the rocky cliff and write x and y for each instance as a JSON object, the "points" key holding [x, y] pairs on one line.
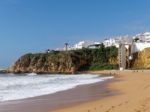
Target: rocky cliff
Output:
{"points": [[64, 62], [48, 63], [141, 60]]}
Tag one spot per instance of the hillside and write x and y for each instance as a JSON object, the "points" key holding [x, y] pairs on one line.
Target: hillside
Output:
{"points": [[67, 61]]}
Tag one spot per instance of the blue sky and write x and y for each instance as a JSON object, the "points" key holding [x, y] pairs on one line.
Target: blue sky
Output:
{"points": [[35, 25]]}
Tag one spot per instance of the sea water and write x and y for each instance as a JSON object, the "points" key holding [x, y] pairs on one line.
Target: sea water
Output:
{"points": [[15, 87]]}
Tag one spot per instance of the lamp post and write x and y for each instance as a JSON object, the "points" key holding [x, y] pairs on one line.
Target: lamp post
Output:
{"points": [[66, 46], [48, 51]]}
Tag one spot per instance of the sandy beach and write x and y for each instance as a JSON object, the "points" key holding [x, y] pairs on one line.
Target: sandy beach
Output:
{"points": [[134, 95], [62, 99], [129, 91]]}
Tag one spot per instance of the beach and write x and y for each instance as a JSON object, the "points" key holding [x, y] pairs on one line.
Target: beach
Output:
{"points": [[129, 91], [74, 56], [80, 94], [133, 88]]}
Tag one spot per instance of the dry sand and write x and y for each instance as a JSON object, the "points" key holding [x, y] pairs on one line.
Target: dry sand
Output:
{"points": [[134, 89]]}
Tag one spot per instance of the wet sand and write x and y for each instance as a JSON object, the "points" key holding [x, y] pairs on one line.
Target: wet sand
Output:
{"points": [[134, 89], [60, 100]]}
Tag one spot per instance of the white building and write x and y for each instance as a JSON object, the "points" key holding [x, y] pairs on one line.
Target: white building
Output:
{"points": [[80, 45], [111, 42], [143, 37], [116, 41], [84, 44], [139, 46], [142, 43]]}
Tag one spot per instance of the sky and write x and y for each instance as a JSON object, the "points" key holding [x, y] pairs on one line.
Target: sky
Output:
{"points": [[30, 26]]}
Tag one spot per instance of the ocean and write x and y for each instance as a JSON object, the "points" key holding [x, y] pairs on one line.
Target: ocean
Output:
{"points": [[16, 87]]}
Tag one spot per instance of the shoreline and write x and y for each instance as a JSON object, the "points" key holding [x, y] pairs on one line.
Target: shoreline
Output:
{"points": [[127, 92], [133, 87], [62, 99]]}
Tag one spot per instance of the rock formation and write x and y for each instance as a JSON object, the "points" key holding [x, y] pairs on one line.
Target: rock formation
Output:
{"points": [[64, 62], [141, 60]]}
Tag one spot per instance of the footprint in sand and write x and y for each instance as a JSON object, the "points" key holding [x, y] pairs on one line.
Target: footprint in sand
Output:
{"points": [[123, 103], [137, 110], [126, 102], [144, 106], [110, 109], [113, 107], [88, 111], [120, 104]]}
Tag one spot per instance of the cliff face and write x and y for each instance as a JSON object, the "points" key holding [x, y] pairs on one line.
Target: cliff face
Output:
{"points": [[64, 62], [113, 60], [60, 62], [141, 59]]}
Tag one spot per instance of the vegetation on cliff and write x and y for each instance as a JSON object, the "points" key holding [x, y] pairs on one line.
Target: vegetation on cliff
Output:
{"points": [[67, 61]]}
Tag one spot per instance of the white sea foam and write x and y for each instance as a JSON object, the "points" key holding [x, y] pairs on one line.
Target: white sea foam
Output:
{"points": [[31, 74], [14, 87]]}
